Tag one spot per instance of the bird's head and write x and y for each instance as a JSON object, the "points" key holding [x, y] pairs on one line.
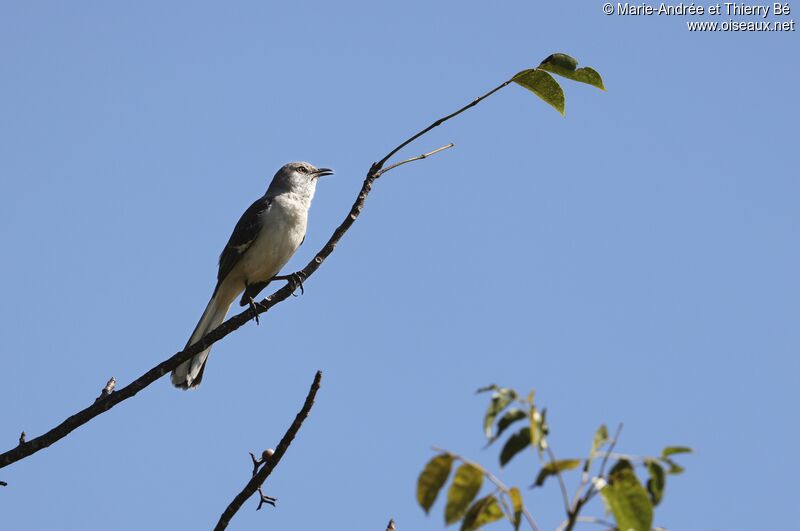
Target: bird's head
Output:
{"points": [[297, 177]]}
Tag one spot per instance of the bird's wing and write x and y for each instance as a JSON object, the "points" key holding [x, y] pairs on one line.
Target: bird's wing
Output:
{"points": [[243, 236]]}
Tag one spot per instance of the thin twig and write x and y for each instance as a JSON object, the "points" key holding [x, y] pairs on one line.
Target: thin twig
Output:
{"points": [[440, 121], [561, 482], [412, 159], [491, 477], [610, 451], [233, 323], [596, 520], [271, 461], [391, 526]]}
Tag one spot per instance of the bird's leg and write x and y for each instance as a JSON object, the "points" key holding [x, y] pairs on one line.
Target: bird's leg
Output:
{"points": [[254, 309], [295, 279]]}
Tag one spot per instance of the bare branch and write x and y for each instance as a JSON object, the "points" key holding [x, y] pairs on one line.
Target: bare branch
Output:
{"points": [[269, 461], [233, 323]]}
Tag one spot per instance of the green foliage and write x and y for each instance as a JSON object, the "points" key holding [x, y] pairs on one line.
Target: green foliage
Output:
{"points": [[600, 438], [674, 468], [672, 450], [657, 481], [482, 512], [543, 85], [501, 398], [627, 499], [465, 486], [538, 428], [539, 81], [566, 66], [514, 445], [555, 467], [510, 417], [432, 479], [516, 505]]}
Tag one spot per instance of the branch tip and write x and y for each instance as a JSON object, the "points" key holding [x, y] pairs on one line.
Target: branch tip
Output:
{"points": [[380, 172]]}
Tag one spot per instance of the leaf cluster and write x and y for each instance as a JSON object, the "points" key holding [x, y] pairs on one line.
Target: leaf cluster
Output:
{"points": [[630, 501], [540, 81]]}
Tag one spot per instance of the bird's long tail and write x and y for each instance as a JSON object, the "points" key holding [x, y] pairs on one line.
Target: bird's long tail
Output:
{"points": [[189, 373]]}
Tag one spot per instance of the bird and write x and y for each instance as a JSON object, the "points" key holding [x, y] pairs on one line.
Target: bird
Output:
{"points": [[263, 240]]}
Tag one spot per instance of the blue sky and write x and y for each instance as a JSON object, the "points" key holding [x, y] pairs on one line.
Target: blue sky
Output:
{"points": [[633, 262]]}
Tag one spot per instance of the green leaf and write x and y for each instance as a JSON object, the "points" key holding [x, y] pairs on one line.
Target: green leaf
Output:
{"points": [[432, 479], [511, 416], [465, 486], [501, 398], [657, 481], [543, 85], [566, 66], [484, 511], [627, 499], [554, 467], [487, 388], [539, 430], [530, 397], [514, 445], [672, 450], [674, 468], [600, 438], [516, 505]]}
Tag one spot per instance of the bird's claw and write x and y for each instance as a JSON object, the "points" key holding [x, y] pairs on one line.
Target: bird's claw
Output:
{"points": [[254, 308], [265, 499], [296, 280], [256, 466]]}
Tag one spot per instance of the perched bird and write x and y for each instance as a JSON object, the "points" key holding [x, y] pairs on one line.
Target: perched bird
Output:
{"points": [[264, 239]]}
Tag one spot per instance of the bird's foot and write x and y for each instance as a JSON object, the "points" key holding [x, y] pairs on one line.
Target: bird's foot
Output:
{"points": [[265, 499], [254, 308], [295, 279], [257, 463]]}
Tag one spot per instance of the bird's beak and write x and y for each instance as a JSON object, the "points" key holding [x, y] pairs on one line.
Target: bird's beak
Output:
{"points": [[322, 172]]}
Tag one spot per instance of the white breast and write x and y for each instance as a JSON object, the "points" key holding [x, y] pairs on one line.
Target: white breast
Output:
{"points": [[284, 225]]}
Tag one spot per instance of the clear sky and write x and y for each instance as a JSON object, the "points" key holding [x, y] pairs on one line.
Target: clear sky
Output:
{"points": [[636, 261]]}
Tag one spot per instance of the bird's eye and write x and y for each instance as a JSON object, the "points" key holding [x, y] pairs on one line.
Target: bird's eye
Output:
{"points": [[303, 169]]}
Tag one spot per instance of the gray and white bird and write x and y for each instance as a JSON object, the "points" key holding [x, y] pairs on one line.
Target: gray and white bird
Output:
{"points": [[264, 239]]}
